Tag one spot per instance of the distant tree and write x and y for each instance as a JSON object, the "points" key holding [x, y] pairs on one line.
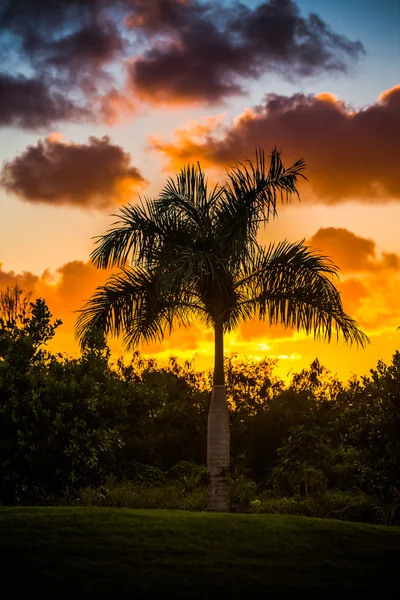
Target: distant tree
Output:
{"points": [[194, 254], [15, 306]]}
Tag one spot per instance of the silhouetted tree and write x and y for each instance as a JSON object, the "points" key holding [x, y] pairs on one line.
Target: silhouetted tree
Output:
{"points": [[15, 307], [193, 253]]}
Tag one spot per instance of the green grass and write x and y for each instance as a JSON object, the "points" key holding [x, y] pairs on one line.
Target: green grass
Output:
{"points": [[121, 553]]}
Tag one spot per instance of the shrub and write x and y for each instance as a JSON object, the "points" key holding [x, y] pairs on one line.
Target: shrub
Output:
{"points": [[189, 474], [242, 492], [146, 474], [128, 494]]}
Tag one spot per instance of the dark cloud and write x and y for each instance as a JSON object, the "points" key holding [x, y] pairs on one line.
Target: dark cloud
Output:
{"points": [[94, 175], [195, 70], [31, 104], [349, 153], [68, 46], [166, 16], [91, 46], [206, 50], [173, 50], [44, 29]]}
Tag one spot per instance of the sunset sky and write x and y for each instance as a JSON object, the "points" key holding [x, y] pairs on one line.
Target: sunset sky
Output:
{"points": [[103, 100]]}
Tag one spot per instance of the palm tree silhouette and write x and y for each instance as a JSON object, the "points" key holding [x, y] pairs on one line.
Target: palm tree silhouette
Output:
{"points": [[193, 253]]}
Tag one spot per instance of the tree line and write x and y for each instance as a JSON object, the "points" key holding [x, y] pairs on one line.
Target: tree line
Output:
{"points": [[70, 424]]}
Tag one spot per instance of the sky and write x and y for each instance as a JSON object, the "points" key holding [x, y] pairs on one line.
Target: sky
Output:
{"points": [[102, 101]]}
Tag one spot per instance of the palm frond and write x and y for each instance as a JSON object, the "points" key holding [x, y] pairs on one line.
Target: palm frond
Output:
{"points": [[134, 304], [189, 197], [187, 194], [141, 233], [134, 235], [250, 198], [291, 284], [254, 182], [284, 254]]}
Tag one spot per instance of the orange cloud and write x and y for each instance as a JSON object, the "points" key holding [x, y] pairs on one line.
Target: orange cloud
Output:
{"points": [[385, 96], [94, 175], [64, 292], [187, 141], [353, 291], [327, 97], [369, 283], [350, 154], [25, 280], [350, 252]]}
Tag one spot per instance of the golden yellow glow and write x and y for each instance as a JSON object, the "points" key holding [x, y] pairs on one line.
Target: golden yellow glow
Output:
{"points": [[369, 285]]}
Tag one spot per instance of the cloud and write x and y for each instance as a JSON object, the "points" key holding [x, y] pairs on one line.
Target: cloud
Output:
{"points": [[205, 50], [67, 46], [115, 105], [369, 283], [94, 175], [25, 280], [92, 45], [352, 253], [350, 154], [353, 291], [71, 36], [77, 53], [31, 103], [64, 291]]}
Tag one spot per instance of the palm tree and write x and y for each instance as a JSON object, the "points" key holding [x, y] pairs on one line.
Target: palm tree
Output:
{"points": [[193, 253]]}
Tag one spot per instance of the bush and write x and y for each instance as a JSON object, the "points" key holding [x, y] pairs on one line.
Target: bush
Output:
{"points": [[146, 474], [242, 492], [128, 494], [174, 495], [189, 474]]}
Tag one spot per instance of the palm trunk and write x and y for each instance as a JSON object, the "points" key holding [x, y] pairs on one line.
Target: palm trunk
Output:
{"points": [[218, 438]]}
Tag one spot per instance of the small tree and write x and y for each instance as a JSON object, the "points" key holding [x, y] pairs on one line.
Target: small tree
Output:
{"points": [[193, 253], [15, 307]]}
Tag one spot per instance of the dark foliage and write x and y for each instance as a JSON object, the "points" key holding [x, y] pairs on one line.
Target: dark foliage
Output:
{"points": [[134, 433]]}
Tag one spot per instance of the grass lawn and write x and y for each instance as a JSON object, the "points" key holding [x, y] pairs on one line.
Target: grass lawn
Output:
{"points": [[120, 553]]}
